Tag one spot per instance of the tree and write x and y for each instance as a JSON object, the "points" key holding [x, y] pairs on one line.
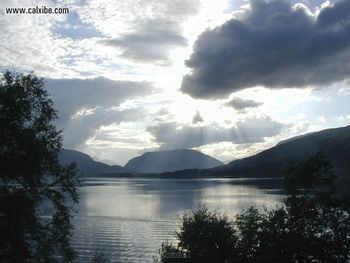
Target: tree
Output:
{"points": [[207, 236], [35, 218], [310, 179], [313, 208], [249, 226]]}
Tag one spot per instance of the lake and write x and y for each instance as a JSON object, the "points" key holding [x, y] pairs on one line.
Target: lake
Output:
{"points": [[127, 219]]}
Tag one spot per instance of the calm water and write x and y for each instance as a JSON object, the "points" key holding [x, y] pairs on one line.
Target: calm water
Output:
{"points": [[128, 218]]}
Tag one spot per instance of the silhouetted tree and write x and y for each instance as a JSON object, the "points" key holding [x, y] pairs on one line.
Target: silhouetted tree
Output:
{"points": [[207, 236], [308, 181], [249, 226], [313, 208], [35, 221]]}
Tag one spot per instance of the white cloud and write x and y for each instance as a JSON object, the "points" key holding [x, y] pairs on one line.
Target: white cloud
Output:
{"points": [[322, 119], [28, 42], [119, 143], [142, 31]]}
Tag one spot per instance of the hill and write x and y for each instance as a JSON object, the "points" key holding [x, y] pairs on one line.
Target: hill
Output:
{"points": [[172, 160], [335, 143], [87, 165]]}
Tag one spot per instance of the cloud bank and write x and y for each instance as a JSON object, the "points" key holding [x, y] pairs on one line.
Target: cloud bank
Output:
{"points": [[274, 44], [84, 105], [150, 42], [151, 30], [250, 130]]}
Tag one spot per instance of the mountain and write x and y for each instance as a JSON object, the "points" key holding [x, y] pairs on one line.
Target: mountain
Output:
{"points": [[335, 143], [167, 161], [87, 165]]}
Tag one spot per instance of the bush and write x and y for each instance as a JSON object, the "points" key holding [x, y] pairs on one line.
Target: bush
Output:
{"points": [[209, 236]]}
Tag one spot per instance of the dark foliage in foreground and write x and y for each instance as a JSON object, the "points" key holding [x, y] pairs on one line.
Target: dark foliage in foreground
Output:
{"points": [[213, 234], [99, 258], [313, 225], [34, 218]]}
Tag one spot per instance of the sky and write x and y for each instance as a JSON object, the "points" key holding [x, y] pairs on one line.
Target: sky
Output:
{"points": [[229, 78]]}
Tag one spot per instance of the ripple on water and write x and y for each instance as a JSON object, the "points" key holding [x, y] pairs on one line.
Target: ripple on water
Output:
{"points": [[120, 240]]}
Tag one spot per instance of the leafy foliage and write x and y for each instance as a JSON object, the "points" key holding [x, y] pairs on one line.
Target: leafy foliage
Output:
{"points": [[34, 217], [99, 258], [209, 236], [312, 226], [164, 251]]}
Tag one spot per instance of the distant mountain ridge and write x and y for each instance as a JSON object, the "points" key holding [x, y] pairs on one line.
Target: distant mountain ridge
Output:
{"points": [[87, 165], [335, 143], [171, 160]]}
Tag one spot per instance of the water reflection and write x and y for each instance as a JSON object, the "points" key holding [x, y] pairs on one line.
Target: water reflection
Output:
{"points": [[128, 218]]}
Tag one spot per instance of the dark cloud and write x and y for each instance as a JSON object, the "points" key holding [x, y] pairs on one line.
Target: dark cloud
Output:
{"points": [[72, 95], [241, 104], [197, 118], [151, 42], [153, 37], [85, 105], [250, 130], [274, 45]]}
